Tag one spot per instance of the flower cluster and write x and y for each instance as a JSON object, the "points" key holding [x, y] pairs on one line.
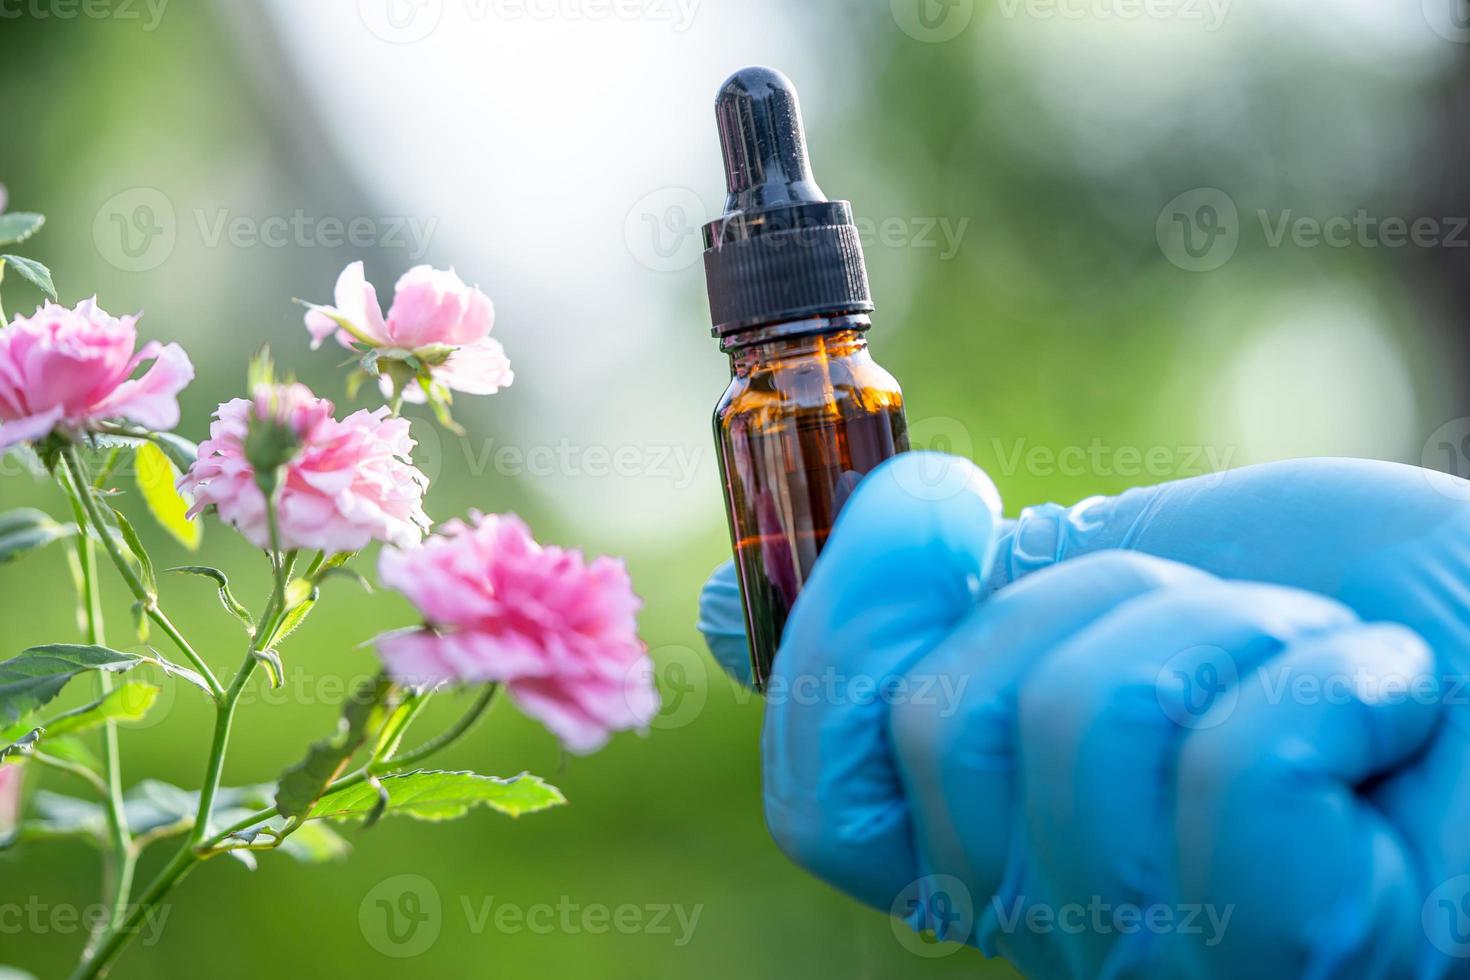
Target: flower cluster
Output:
{"points": [[560, 632]]}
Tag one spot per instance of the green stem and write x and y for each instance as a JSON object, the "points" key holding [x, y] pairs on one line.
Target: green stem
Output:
{"points": [[135, 585], [122, 858], [453, 734]]}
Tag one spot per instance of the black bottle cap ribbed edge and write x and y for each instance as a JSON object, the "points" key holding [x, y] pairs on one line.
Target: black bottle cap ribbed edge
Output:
{"points": [[781, 251]]}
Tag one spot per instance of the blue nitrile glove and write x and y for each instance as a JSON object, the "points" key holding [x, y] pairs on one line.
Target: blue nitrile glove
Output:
{"points": [[1214, 728]]}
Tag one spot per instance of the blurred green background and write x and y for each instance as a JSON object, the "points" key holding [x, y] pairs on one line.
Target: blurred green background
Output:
{"points": [[1091, 239]]}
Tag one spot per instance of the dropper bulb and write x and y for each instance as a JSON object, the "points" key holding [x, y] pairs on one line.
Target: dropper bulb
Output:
{"points": [[763, 141]]}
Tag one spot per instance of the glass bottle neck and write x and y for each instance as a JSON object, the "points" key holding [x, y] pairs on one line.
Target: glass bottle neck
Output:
{"points": [[832, 336]]}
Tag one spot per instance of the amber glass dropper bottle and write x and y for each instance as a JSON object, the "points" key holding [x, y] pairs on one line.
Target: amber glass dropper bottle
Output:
{"points": [[808, 411]]}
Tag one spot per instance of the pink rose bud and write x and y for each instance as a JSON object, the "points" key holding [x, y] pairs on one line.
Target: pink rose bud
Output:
{"points": [[434, 318], [559, 632], [67, 371], [343, 484]]}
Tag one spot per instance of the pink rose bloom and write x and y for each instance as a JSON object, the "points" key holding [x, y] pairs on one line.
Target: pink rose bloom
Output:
{"points": [[11, 778], [345, 484], [68, 370], [434, 316], [561, 633]]}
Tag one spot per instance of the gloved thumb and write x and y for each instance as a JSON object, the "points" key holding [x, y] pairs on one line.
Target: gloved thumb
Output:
{"points": [[722, 621]]}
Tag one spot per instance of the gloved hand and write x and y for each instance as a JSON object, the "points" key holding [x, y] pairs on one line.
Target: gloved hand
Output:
{"points": [[1213, 728]]}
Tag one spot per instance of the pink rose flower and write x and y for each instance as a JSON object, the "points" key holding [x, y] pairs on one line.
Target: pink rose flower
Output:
{"points": [[434, 317], [344, 483], [69, 370], [560, 632], [11, 778]]}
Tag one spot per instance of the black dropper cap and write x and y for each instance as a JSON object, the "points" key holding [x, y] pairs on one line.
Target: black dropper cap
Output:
{"points": [[782, 251]]}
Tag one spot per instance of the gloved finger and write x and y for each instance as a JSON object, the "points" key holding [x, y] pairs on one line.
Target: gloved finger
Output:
{"points": [[1315, 524], [1274, 825], [957, 747], [1100, 724], [722, 621], [903, 565]]}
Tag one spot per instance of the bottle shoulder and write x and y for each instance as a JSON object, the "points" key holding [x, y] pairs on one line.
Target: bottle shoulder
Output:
{"points": [[854, 383]]}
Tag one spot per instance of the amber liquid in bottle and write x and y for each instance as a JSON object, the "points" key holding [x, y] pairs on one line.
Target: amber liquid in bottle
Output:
{"points": [[808, 413]]}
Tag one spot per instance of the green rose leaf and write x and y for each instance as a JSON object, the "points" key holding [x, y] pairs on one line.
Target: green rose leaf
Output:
{"points": [[17, 226], [29, 681], [135, 545], [156, 477], [33, 272], [226, 597], [26, 530], [304, 783], [130, 701], [433, 795]]}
